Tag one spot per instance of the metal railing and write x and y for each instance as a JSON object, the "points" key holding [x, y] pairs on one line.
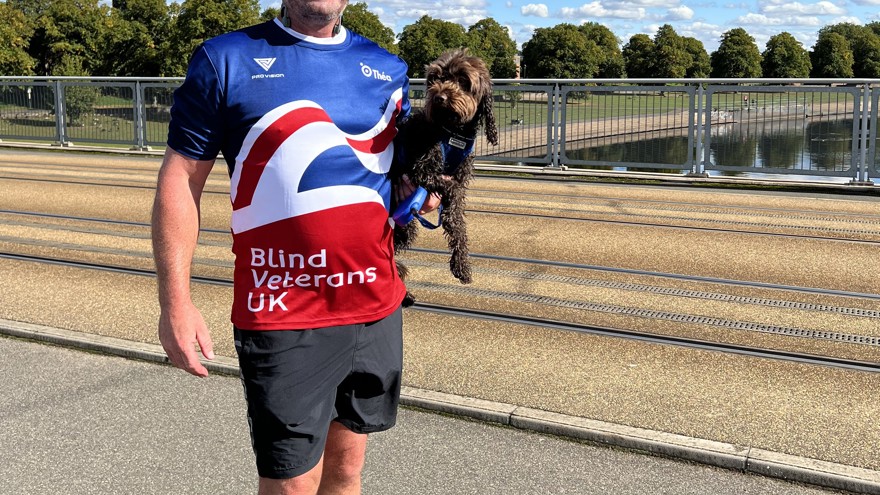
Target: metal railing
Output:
{"points": [[815, 127]]}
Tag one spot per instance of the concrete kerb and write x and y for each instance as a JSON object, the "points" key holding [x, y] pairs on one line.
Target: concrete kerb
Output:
{"points": [[719, 454]]}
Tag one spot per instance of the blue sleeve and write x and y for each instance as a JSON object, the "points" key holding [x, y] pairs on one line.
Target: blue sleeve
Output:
{"points": [[405, 107], [195, 129]]}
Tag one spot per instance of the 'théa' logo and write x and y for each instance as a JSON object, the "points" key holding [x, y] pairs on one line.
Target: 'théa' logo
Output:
{"points": [[265, 63], [367, 71]]}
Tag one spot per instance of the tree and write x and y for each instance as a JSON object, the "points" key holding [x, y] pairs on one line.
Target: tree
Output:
{"points": [[15, 33], [492, 42], [79, 98], [561, 52], [195, 21], [32, 9], [67, 36], [139, 29], [699, 66], [865, 45], [638, 56], [784, 56], [737, 55], [367, 24], [612, 64], [670, 58], [832, 56], [867, 64], [270, 13], [424, 41]]}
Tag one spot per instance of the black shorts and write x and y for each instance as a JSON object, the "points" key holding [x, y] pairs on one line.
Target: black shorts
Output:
{"points": [[297, 381]]}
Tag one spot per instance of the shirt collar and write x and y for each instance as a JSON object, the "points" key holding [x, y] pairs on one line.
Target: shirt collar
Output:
{"points": [[335, 40]]}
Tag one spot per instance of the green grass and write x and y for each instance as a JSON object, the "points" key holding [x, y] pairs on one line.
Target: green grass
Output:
{"points": [[114, 101], [531, 108], [9, 106]]}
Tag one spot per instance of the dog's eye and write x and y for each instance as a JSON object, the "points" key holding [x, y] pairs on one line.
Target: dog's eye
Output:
{"points": [[465, 83]]}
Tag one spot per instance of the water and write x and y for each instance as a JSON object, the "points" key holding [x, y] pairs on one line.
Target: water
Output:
{"points": [[788, 149]]}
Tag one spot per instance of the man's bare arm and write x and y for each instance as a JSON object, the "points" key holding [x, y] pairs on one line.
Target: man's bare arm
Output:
{"points": [[175, 223]]}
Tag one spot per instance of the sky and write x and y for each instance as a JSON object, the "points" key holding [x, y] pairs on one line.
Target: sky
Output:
{"points": [[700, 19]]}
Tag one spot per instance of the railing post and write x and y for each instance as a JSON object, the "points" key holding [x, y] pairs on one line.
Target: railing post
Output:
{"points": [[706, 135], [871, 161], [557, 126], [697, 168], [700, 124], [60, 127], [858, 160], [140, 118], [558, 122], [863, 136]]}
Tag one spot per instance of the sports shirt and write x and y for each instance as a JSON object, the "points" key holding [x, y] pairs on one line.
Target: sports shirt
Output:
{"points": [[305, 126]]}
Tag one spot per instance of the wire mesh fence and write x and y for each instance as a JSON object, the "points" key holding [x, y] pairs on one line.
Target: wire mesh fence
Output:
{"points": [[700, 126]]}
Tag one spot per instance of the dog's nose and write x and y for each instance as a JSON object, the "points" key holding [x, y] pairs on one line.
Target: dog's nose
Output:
{"points": [[440, 99]]}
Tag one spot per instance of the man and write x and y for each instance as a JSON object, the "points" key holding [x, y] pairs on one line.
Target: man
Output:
{"points": [[304, 113]]}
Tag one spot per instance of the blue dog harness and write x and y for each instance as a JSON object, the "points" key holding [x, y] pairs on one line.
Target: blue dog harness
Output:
{"points": [[454, 150]]}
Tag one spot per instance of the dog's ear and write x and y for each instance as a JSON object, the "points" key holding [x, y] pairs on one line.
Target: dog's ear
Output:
{"points": [[488, 116]]}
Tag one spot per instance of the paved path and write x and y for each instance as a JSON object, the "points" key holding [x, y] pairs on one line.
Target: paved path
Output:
{"points": [[82, 423], [793, 420]]}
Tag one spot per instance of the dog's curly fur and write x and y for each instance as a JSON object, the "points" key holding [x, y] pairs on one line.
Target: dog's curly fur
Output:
{"points": [[458, 100]]}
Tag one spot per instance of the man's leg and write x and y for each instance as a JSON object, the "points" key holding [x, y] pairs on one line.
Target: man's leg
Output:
{"points": [[290, 382], [344, 458], [338, 472], [304, 484]]}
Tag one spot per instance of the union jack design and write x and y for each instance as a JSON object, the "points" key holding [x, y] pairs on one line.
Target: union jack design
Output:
{"points": [[276, 155]]}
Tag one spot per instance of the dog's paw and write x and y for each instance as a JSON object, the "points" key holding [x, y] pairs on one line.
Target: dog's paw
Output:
{"points": [[408, 300], [463, 274]]}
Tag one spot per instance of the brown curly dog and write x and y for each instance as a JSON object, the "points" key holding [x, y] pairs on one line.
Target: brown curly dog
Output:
{"points": [[435, 148]]}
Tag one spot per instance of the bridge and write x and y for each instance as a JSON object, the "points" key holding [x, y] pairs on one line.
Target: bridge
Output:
{"points": [[735, 327]]}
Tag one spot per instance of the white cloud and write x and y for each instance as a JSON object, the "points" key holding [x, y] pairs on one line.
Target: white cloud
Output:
{"points": [[807, 40], [680, 13], [596, 9], [703, 26], [866, 2], [759, 19], [523, 33], [535, 10], [650, 29], [709, 34], [461, 12], [413, 13], [629, 4], [793, 20], [434, 9], [820, 8], [701, 30], [847, 19]]}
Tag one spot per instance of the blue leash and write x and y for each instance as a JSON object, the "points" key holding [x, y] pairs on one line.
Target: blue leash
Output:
{"points": [[409, 209]]}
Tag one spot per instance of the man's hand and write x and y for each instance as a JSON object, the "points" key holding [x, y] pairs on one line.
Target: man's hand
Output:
{"points": [[405, 188], [179, 331]]}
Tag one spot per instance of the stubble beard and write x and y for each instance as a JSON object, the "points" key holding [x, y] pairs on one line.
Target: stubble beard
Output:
{"points": [[312, 16]]}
